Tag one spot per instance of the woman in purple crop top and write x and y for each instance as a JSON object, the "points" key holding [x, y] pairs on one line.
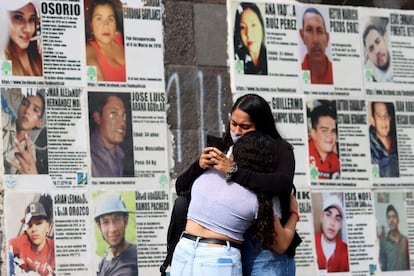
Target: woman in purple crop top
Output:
{"points": [[105, 48], [220, 212], [251, 112]]}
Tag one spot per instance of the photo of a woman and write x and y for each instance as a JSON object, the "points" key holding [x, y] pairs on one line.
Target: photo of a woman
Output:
{"points": [[104, 40], [249, 39], [23, 48]]}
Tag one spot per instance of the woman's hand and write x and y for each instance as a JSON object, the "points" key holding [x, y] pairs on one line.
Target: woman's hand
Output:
{"points": [[205, 158], [38, 40], [220, 161]]}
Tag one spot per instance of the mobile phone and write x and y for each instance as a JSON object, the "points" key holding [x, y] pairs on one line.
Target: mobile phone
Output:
{"points": [[213, 141]]}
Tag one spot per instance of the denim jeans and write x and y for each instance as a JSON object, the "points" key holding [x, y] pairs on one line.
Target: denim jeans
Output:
{"points": [[193, 258], [261, 262]]}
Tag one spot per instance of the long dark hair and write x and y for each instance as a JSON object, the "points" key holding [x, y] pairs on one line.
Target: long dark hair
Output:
{"points": [[257, 151], [116, 7], [260, 114], [239, 47], [35, 59]]}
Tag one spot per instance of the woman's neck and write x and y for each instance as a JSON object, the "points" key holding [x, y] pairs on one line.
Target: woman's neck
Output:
{"points": [[24, 59], [255, 57]]}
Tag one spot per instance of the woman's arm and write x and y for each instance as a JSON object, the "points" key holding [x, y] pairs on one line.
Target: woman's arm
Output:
{"points": [[278, 182], [283, 235]]}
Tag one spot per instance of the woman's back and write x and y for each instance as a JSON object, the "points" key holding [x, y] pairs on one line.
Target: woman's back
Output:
{"points": [[223, 207]]}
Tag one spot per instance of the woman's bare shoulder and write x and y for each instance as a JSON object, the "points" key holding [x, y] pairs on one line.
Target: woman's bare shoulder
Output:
{"points": [[91, 54]]}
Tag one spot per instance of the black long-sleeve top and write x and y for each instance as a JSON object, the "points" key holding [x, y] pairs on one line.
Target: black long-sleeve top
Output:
{"points": [[279, 182]]}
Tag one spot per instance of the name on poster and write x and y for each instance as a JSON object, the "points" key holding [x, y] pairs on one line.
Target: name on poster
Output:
{"points": [[275, 14], [56, 8], [71, 205], [142, 13], [148, 101], [289, 104], [60, 97], [402, 24], [343, 20]]}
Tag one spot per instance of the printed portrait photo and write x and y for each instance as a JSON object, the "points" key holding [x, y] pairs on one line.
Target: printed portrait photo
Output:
{"points": [[383, 139], [392, 230], [250, 52], [331, 242], [104, 34], [315, 46], [115, 232], [30, 234], [377, 53], [324, 159], [24, 131], [111, 146], [24, 46]]}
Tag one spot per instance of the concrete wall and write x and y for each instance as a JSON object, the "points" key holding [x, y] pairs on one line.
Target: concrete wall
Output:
{"points": [[196, 74]]}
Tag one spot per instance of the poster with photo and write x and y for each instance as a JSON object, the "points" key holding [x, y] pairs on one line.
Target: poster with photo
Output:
{"points": [[48, 50], [386, 40], [263, 46], [330, 50], [124, 44]]}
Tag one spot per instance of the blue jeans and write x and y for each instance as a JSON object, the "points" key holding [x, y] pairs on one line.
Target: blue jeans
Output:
{"points": [[193, 258], [261, 262]]}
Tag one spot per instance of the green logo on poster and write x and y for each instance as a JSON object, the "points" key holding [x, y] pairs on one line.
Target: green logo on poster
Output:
{"points": [[6, 68], [314, 173], [375, 171], [91, 73], [239, 67], [163, 180], [368, 75], [306, 77]]}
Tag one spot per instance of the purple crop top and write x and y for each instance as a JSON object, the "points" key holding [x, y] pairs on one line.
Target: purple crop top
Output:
{"points": [[223, 207]]}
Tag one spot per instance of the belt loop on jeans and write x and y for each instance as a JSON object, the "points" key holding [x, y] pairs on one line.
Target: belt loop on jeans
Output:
{"points": [[196, 242], [228, 245]]}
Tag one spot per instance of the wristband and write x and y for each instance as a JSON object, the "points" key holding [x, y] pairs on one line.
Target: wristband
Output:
{"points": [[233, 169], [296, 213]]}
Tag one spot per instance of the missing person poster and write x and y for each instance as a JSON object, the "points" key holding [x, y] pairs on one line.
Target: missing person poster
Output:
{"points": [[48, 51], [329, 47], [386, 39], [263, 46], [124, 44]]}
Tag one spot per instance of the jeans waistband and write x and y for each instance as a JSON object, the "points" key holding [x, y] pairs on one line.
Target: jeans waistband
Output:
{"points": [[212, 241]]}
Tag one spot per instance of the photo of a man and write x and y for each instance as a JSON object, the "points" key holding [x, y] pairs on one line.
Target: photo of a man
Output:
{"points": [[383, 139], [33, 251], [394, 245], [315, 37], [331, 247], [376, 48], [323, 151], [24, 131], [110, 134], [112, 218]]}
